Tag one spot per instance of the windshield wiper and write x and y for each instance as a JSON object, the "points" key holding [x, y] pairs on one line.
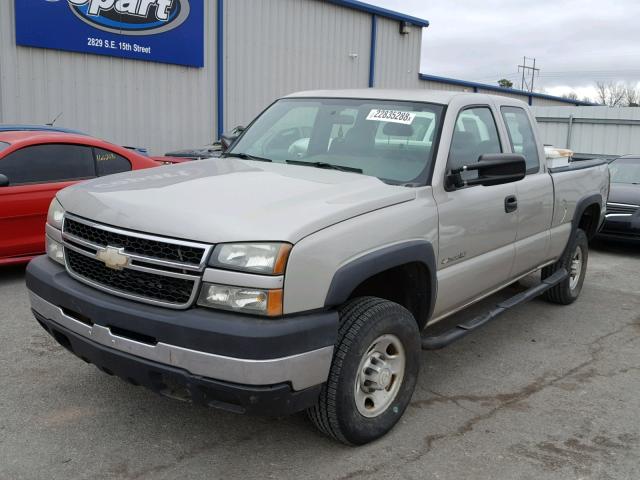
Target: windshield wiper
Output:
{"points": [[329, 166], [246, 156]]}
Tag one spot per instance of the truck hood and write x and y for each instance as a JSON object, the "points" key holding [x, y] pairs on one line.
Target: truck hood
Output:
{"points": [[230, 200]]}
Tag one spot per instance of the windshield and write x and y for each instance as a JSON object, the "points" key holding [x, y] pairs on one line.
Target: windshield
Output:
{"points": [[3, 145], [391, 140], [625, 170]]}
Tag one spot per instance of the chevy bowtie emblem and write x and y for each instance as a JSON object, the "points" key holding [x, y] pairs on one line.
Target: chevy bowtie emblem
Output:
{"points": [[113, 258]]}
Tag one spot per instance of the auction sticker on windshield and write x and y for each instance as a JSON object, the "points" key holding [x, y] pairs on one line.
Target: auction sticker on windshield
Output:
{"points": [[395, 116]]}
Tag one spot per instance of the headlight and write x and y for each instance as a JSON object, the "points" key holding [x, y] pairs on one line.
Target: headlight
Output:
{"points": [[265, 258], [241, 299], [55, 215], [54, 250]]}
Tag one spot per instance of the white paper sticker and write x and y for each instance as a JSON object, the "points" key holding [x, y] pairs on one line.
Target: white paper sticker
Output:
{"points": [[394, 116]]}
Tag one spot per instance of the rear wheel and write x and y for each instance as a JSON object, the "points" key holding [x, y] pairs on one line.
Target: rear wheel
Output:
{"points": [[574, 261], [373, 373]]}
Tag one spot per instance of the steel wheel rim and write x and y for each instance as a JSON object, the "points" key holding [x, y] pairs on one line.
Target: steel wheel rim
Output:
{"points": [[380, 375], [575, 268]]}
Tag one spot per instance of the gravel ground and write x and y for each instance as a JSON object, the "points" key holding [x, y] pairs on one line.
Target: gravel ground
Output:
{"points": [[544, 392]]}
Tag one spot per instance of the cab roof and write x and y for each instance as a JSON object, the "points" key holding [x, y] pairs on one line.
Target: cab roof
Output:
{"points": [[442, 97]]}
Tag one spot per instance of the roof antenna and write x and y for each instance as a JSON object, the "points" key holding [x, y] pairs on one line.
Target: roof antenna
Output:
{"points": [[54, 120]]}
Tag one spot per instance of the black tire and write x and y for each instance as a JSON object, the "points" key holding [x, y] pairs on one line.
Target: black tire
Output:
{"points": [[362, 321], [567, 292]]}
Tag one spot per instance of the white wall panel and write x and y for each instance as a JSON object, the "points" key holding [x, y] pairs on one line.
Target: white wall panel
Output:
{"points": [[431, 85], [128, 102], [397, 56], [611, 131], [547, 102], [524, 98], [273, 48]]}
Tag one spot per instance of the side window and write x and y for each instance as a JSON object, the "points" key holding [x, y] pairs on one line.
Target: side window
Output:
{"points": [[108, 162], [521, 136], [48, 163], [475, 134]]}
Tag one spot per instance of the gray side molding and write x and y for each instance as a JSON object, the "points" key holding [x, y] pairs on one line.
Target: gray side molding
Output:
{"points": [[349, 276]]}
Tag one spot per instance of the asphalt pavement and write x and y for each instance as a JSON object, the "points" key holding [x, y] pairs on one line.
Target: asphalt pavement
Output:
{"points": [[543, 392]]}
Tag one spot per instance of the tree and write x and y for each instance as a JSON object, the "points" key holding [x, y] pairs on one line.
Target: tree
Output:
{"points": [[504, 83], [632, 96], [570, 96], [611, 94]]}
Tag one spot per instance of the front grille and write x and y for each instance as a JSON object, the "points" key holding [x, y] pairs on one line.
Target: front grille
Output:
{"points": [[134, 244], [172, 290], [621, 209], [155, 270]]}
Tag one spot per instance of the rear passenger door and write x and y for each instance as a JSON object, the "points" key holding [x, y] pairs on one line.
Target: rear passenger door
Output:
{"points": [[35, 174], [534, 193], [476, 233]]}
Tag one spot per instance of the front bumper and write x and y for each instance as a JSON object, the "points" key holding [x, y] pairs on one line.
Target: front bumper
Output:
{"points": [[220, 359], [621, 227]]}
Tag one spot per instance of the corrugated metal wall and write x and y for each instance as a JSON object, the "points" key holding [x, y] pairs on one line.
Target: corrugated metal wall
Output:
{"points": [[397, 56], [547, 102], [124, 101], [429, 85], [278, 47], [524, 98], [271, 48], [594, 131]]}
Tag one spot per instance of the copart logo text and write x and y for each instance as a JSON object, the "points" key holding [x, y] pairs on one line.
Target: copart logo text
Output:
{"points": [[132, 17]]}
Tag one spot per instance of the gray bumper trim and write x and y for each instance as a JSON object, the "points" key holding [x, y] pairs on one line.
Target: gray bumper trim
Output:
{"points": [[303, 370]]}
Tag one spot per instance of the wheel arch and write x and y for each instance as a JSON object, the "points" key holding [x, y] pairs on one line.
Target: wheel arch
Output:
{"points": [[587, 215], [408, 269]]}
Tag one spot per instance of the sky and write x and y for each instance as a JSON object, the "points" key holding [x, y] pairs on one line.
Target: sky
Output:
{"points": [[576, 43]]}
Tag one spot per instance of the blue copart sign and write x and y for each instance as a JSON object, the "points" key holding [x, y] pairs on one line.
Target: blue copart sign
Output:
{"points": [[166, 31]]}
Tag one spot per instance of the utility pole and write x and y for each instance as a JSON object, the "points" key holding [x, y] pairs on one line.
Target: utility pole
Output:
{"points": [[525, 69]]}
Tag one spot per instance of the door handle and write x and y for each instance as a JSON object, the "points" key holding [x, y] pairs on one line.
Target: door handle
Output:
{"points": [[510, 203]]}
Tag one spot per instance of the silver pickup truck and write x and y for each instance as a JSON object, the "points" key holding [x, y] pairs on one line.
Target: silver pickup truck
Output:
{"points": [[304, 269]]}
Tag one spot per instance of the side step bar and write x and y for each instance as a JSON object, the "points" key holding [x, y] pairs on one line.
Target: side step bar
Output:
{"points": [[459, 331]]}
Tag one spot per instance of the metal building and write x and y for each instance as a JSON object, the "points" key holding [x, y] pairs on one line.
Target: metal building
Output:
{"points": [[254, 52], [591, 131]]}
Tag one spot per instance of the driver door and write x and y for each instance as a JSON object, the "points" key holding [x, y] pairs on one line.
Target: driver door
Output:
{"points": [[477, 228]]}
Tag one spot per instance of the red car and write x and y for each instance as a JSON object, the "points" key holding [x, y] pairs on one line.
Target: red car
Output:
{"points": [[34, 165]]}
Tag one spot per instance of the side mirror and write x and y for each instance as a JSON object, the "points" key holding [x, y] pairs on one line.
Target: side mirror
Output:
{"points": [[493, 169], [227, 138], [4, 180]]}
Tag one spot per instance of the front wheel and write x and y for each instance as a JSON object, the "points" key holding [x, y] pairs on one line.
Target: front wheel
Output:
{"points": [[373, 373], [574, 261]]}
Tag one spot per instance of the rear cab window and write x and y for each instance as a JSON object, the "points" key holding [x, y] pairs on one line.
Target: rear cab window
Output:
{"points": [[521, 136]]}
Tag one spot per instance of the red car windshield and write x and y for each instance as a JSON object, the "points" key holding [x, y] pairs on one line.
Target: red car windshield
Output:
{"points": [[3, 145]]}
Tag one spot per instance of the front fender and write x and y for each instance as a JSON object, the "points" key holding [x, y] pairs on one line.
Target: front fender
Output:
{"points": [[352, 274]]}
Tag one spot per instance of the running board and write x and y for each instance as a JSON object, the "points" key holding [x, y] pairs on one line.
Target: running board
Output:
{"points": [[459, 331]]}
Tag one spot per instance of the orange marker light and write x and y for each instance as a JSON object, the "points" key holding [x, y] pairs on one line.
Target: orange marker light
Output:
{"points": [[281, 260], [274, 304]]}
